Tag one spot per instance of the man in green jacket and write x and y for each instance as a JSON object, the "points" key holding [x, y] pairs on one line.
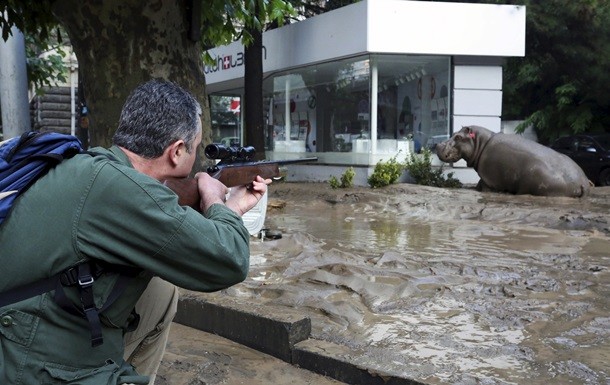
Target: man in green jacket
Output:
{"points": [[110, 207]]}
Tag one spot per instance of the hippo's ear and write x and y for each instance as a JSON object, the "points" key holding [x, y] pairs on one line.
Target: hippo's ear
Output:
{"points": [[469, 132], [464, 134]]}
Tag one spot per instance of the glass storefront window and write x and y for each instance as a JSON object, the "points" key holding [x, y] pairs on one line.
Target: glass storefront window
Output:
{"points": [[226, 119], [412, 100], [319, 108], [326, 108]]}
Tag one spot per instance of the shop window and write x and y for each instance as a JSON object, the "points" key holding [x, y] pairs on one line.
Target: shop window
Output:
{"points": [[413, 99], [326, 108], [319, 108], [225, 112]]}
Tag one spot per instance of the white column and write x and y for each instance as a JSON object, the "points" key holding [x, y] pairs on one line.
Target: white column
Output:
{"points": [[287, 109], [374, 91]]}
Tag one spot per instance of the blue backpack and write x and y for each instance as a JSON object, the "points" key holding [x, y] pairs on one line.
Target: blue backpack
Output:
{"points": [[26, 158]]}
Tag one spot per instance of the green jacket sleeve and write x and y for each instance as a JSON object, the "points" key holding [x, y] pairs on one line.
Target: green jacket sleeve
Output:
{"points": [[129, 218]]}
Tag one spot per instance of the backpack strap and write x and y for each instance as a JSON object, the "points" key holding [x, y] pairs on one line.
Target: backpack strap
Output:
{"points": [[85, 284], [83, 276], [30, 290]]}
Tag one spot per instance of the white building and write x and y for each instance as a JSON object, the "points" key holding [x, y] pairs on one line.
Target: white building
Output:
{"points": [[375, 79]]}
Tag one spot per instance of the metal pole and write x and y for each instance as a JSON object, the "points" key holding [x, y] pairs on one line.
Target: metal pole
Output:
{"points": [[14, 85], [73, 82]]}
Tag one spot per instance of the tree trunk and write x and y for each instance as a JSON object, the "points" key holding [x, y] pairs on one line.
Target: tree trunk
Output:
{"points": [[253, 94], [122, 43]]}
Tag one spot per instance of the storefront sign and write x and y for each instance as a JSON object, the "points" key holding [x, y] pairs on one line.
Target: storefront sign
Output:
{"points": [[227, 62]]}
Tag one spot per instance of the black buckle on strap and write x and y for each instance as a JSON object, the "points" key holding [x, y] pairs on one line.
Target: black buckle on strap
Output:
{"points": [[69, 277], [85, 280], [83, 276]]}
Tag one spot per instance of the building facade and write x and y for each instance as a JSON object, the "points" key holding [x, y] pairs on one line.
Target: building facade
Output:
{"points": [[372, 80]]}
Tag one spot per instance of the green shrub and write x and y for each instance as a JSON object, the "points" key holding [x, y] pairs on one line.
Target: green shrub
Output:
{"points": [[420, 169], [386, 173], [347, 179], [334, 182]]}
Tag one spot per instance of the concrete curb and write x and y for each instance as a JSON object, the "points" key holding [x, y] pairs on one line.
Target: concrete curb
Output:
{"points": [[284, 335], [274, 336], [341, 363]]}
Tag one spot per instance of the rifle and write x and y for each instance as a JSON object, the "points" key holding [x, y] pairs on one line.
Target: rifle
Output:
{"points": [[236, 168]]}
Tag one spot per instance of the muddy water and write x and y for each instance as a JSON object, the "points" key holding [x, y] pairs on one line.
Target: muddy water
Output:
{"points": [[445, 286]]}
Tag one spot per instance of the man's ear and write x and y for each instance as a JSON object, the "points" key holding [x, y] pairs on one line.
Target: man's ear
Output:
{"points": [[175, 151]]}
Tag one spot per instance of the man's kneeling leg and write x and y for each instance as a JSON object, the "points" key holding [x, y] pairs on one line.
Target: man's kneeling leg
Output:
{"points": [[145, 346]]}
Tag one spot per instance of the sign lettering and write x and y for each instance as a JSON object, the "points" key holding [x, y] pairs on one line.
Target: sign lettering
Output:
{"points": [[226, 62]]}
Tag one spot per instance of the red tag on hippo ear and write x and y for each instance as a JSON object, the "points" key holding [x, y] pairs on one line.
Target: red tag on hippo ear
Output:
{"points": [[471, 134]]}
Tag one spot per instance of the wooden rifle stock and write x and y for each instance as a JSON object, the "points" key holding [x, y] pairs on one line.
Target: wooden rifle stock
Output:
{"points": [[231, 175]]}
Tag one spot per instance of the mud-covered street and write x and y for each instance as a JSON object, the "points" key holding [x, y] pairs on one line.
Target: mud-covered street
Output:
{"points": [[444, 286]]}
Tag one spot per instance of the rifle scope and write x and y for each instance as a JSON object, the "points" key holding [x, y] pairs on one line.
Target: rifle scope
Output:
{"points": [[231, 153]]}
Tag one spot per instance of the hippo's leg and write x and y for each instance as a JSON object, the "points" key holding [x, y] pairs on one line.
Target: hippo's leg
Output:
{"points": [[480, 185], [483, 187]]}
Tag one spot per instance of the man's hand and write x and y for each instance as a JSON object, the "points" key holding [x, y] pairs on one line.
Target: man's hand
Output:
{"points": [[241, 199], [244, 198], [211, 191]]}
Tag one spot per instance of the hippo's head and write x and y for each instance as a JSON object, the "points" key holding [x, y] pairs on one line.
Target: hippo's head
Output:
{"points": [[460, 145]]}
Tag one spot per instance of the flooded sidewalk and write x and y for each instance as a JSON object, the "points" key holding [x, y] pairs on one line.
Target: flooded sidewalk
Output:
{"points": [[443, 286]]}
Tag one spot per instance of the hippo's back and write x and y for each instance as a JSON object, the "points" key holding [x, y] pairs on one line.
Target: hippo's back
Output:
{"points": [[543, 171]]}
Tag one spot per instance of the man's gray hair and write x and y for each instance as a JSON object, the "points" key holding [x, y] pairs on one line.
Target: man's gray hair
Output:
{"points": [[156, 114]]}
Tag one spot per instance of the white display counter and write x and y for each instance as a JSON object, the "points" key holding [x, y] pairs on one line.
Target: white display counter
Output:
{"points": [[289, 146]]}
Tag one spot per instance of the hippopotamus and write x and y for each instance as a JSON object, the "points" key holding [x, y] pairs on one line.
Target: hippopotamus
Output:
{"points": [[512, 164]]}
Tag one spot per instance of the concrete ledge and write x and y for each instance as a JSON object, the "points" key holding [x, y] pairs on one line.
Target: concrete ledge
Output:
{"points": [[273, 334], [282, 334], [338, 362]]}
